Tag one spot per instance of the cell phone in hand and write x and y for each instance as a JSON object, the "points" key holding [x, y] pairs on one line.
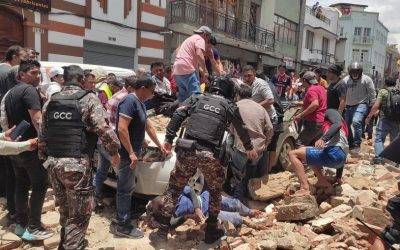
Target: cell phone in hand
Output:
{"points": [[21, 128]]}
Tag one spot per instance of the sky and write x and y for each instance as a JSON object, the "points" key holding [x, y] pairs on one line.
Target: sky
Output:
{"points": [[388, 13]]}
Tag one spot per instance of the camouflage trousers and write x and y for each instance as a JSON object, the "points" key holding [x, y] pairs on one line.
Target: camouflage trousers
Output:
{"points": [[75, 195], [186, 166]]}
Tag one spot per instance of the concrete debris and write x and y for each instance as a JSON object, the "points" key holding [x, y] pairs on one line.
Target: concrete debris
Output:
{"points": [[9, 240], [267, 245], [366, 198], [298, 209], [274, 188], [324, 207], [338, 212], [323, 220], [321, 225]]}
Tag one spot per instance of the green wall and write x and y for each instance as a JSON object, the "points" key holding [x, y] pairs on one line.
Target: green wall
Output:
{"points": [[289, 9]]}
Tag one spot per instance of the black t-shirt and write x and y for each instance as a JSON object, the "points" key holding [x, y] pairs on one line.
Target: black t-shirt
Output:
{"points": [[131, 107], [335, 91], [19, 100]]}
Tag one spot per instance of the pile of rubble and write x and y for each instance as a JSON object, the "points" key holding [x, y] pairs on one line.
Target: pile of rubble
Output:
{"points": [[50, 219], [159, 122], [327, 219]]}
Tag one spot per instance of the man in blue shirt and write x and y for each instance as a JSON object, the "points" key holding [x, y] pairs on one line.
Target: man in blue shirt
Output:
{"points": [[132, 124]]}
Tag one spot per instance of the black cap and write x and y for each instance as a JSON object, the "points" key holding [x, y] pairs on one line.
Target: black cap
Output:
{"points": [[336, 69]]}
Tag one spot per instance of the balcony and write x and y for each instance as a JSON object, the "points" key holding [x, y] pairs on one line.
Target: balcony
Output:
{"points": [[363, 40], [321, 57], [197, 15], [319, 14]]}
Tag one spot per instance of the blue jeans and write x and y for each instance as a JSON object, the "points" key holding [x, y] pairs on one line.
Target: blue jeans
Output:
{"points": [[385, 127], [354, 115], [187, 85], [231, 209], [125, 187], [102, 170]]}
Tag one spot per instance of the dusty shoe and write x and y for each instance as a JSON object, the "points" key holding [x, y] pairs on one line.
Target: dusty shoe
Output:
{"points": [[212, 232]]}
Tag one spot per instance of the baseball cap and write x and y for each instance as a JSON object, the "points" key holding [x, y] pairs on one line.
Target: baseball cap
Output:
{"points": [[56, 71], [203, 29], [310, 77]]}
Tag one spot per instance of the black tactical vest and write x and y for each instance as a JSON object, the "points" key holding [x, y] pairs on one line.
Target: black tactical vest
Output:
{"points": [[66, 133], [208, 120]]}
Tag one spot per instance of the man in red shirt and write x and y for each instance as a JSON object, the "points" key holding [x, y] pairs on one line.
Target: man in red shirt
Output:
{"points": [[313, 112]]}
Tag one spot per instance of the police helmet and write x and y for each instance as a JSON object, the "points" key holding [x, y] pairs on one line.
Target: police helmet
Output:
{"points": [[355, 70], [223, 86]]}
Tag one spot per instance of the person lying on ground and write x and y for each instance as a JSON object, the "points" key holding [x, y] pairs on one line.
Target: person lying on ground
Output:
{"points": [[330, 151], [10, 147], [194, 206]]}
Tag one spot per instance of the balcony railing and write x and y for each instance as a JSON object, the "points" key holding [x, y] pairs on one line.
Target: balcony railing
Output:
{"points": [[322, 57], [363, 39], [318, 14], [197, 15]]}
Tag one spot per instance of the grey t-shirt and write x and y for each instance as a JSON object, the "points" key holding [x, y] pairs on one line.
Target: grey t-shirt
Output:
{"points": [[360, 91], [262, 91]]}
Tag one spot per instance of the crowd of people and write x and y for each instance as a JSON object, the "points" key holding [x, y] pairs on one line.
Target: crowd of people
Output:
{"points": [[83, 110]]}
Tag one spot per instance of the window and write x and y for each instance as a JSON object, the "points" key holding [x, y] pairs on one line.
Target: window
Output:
{"points": [[309, 40], [341, 31], [364, 56], [367, 31], [325, 45], [285, 30], [357, 31], [356, 55]]}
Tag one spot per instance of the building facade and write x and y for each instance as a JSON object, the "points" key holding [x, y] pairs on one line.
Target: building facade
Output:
{"points": [[124, 33], [256, 32], [363, 38], [320, 34], [288, 22], [392, 64]]}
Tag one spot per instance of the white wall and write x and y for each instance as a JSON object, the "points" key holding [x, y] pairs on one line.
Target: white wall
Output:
{"points": [[330, 13], [101, 31], [319, 34]]}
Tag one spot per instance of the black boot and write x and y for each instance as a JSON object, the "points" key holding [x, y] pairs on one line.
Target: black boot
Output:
{"points": [[212, 233]]}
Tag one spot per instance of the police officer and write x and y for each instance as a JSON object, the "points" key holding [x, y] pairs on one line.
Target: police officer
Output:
{"points": [[73, 120], [208, 117]]}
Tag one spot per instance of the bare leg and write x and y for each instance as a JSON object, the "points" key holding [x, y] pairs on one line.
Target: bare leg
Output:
{"points": [[296, 157]]}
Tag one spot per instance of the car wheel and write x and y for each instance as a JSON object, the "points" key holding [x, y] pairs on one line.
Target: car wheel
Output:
{"points": [[284, 162]]}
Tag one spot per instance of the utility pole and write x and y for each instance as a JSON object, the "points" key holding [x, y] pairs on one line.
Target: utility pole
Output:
{"points": [[300, 33]]}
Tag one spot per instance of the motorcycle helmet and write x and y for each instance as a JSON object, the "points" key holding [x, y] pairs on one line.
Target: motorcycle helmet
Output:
{"points": [[223, 86], [355, 70]]}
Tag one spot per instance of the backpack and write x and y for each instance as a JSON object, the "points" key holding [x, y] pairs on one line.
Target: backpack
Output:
{"points": [[392, 107]]}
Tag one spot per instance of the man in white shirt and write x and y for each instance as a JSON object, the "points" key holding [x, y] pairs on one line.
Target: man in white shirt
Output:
{"points": [[163, 86], [57, 81]]}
